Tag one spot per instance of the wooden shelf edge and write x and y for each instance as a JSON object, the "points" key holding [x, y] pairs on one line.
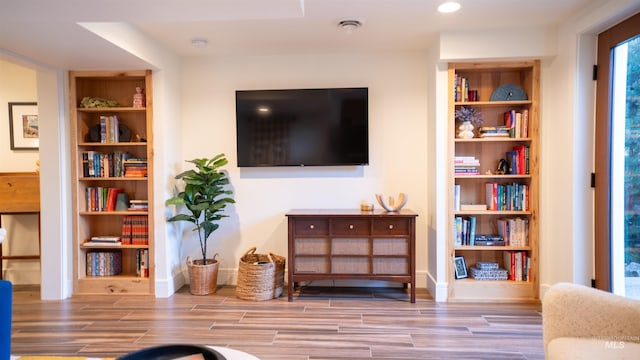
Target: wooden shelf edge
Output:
{"points": [[111, 109], [493, 103], [495, 248], [123, 178], [111, 247], [493, 176], [113, 144], [112, 213], [492, 139], [491, 212]]}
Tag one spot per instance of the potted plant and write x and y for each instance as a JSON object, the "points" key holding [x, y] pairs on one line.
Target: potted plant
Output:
{"points": [[204, 198]]}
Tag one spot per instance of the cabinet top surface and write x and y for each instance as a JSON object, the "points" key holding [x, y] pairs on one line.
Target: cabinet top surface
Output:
{"points": [[349, 212]]}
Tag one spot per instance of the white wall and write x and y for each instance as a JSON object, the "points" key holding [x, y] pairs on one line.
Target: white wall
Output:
{"points": [[397, 136], [18, 85]]}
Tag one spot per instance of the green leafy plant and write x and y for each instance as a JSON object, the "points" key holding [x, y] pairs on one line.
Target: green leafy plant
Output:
{"points": [[204, 197]]}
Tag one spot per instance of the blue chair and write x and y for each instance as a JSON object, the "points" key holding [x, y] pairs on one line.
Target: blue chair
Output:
{"points": [[5, 319]]}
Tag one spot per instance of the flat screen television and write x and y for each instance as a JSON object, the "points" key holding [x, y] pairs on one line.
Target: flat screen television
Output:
{"points": [[302, 127]]}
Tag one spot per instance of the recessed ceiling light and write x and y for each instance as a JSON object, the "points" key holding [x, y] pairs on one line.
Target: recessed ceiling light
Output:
{"points": [[199, 42], [349, 25], [449, 7]]}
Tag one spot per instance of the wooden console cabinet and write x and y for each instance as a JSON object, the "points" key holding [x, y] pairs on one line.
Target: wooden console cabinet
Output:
{"points": [[350, 244]]}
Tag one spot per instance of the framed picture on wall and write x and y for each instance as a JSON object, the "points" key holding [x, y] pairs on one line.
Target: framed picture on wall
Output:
{"points": [[23, 125]]}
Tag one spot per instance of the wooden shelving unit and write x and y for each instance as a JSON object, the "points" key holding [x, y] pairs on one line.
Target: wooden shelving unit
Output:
{"points": [[485, 78], [120, 87]]}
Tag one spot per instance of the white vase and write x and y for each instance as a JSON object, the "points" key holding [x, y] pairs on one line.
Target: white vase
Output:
{"points": [[466, 130]]}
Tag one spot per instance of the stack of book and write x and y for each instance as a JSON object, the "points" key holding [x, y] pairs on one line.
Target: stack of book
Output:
{"points": [[466, 165], [494, 131], [489, 240], [488, 271], [103, 241], [135, 230], [135, 167], [138, 205]]}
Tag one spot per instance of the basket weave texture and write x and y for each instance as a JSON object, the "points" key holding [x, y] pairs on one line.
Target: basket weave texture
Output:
{"points": [[203, 278], [278, 275], [257, 276]]}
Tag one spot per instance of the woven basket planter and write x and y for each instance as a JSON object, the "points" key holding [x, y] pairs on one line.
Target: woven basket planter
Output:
{"points": [[203, 278], [256, 274]]}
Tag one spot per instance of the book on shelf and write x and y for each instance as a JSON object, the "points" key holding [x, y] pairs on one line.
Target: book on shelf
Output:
{"points": [[103, 262], [138, 205], [465, 229], [489, 240], [109, 129], [473, 207], [135, 167], [466, 165], [142, 262], [507, 197], [518, 265], [456, 197], [98, 164], [135, 230], [101, 243], [493, 131], [515, 231], [488, 271], [462, 90], [517, 123], [105, 238], [101, 198]]}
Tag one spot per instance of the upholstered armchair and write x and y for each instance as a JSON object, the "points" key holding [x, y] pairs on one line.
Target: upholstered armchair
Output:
{"points": [[580, 322]]}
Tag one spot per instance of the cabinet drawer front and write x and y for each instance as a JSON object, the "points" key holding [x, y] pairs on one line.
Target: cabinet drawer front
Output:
{"points": [[311, 226], [350, 226], [311, 246], [350, 265], [391, 226], [390, 266], [394, 246], [311, 265]]}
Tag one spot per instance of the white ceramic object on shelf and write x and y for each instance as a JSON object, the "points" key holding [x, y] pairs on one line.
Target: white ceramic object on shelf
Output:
{"points": [[393, 205]]}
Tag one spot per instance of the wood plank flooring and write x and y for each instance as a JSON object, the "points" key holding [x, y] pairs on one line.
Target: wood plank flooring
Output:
{"points": [[320, 324]]}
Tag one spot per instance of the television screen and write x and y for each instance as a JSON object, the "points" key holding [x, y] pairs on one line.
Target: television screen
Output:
{"points": [[302, 127]]}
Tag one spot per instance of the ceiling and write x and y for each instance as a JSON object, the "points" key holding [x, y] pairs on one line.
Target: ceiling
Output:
{"points": [[55, 33]]}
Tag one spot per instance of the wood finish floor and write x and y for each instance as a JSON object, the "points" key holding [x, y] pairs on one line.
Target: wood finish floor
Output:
{"points": [[320, 324]]}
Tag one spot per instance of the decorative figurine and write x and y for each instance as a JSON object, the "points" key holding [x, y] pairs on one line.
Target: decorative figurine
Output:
{"points": [[138, 98]]}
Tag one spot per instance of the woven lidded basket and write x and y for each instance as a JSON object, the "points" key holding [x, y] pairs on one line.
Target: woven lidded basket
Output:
{"points": [[255, 276]]}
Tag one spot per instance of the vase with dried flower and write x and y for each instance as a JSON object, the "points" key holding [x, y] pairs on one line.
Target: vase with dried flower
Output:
{"points": [[469, 118]]}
